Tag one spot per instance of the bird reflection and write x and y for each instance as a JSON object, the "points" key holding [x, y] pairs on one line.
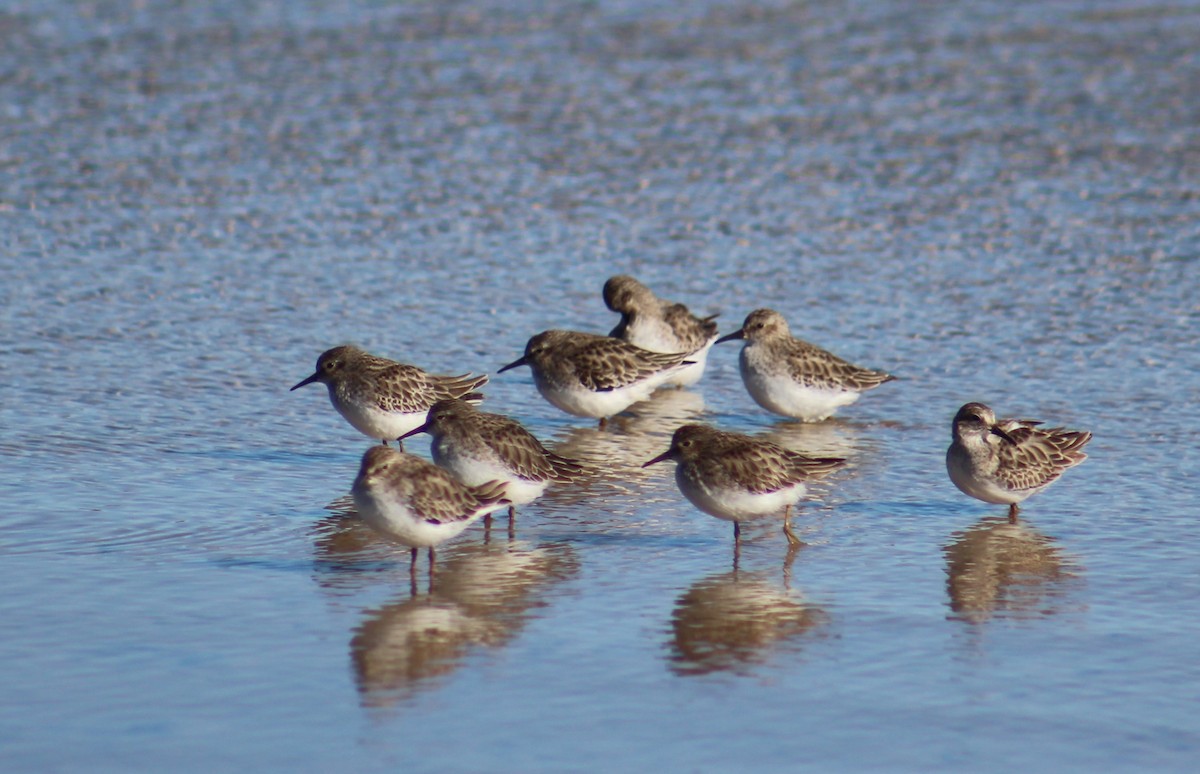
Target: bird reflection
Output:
{"points": [[346, 550], [831, 438], [733, 621], [1005, 569], [481, 597], [614, 457]]}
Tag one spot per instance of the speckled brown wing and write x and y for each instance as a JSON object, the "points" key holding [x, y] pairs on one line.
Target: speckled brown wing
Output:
{"points": [[461, 386], [565, 468], [523, 452], [1039, 456], [761, 467], [439, 499], [812, 366], [603, 364], [407, 389], [692, 332]]}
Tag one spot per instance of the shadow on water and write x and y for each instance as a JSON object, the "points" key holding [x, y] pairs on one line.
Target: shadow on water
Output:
{"points": [[735, 621], [480, 597], [1003, 569]]}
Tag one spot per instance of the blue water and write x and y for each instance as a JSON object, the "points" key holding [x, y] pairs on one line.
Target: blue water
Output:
{"points": [[994, 202]]}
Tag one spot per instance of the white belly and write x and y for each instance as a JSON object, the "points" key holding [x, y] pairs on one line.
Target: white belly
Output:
{"points": [[735, 504], [375, 423], [474, 471], [658, 338], [780, 394], [689, 375], [581, 402], [394, 519]]}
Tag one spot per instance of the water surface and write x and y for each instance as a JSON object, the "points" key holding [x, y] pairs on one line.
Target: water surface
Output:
{"points": [[996, 202]]}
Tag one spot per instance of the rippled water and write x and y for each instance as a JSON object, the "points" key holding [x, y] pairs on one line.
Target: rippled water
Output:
{"points": [[996, 202]]}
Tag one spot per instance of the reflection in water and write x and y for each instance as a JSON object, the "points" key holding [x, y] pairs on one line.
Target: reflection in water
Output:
{"points": [[481, 596], [1007, 569], [831, 438], [345, 550], [614, 456], [733, 621]]}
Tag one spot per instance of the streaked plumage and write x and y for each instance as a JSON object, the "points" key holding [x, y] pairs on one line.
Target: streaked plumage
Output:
{"points": [[660, 326], [415, 502], [792, 377], [595, 376], [381, 398], [736, 477], [1006, 461], [477, 447]]}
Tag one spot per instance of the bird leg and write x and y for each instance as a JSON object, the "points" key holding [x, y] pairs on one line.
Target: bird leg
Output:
{"points": [[737, 534], [603, 423], [1012, 513], [793, 541], [512, 522], [412, 565], [432, 559]]}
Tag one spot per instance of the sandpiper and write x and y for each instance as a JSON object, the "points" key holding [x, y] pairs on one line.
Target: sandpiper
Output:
{"points": [[792, 377], [595, 376], [381, 398], [736, 477], [415, 502], [660, 326], [1004, 461], [478, 447]]}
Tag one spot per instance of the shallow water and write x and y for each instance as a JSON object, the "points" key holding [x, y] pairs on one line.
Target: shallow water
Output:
{"points": [[996, 203]]}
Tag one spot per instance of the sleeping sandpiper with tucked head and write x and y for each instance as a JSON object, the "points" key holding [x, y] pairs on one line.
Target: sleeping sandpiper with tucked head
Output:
{"points": [[381, 398], [595, 376], [1004, 461], [416, 503], [478, 447], [736, 477], [660, 326], [792, 377]]}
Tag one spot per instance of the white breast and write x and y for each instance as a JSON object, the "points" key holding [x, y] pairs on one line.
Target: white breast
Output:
{"points": [[779, 393], [972, 481]]}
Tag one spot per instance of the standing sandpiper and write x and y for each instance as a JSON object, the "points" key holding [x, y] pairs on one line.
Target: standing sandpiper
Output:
{"points": [[660, 326], [736, 477], [478, 447], [1004, 461], [792, 377], [381, 398], [595, 376], [415, 502]]}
